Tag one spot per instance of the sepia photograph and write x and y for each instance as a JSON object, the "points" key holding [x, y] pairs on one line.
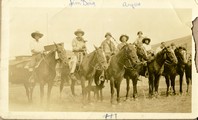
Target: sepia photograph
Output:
{"points": [[104, 60]]}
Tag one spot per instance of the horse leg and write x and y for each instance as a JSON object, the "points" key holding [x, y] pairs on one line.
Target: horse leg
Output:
{"points": [[32, 85], [127, 88], [181, 82], [157, 84], [50, 84], [151, 84], [173, 83], [89, 92], [73, 82], [83, 89], [27, 91], [187, 82], [167, 84], [135, 88], [101, 95], [41, 91], [61, 86], [118, 90], [112, 89]]}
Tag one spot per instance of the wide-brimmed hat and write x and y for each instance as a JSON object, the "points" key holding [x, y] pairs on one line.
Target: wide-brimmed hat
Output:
{"points": [[79, 31], [124, 36], [144, 39], [139, 32], [108, 34], [37, 33], [172, 44]]}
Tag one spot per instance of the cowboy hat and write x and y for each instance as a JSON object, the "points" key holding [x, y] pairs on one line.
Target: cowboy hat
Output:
{"points": [[79, 31], [139, 32], [108, 34], [143, 40], [172, 44], [127, 37], [37, 33]]}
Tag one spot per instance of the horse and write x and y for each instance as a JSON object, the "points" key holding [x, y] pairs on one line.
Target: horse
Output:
{"points": [[125, 58], [133, 74], [91, 62], [188, 72], [156, 67], [171, 69], [44, 73], [182, 60], [19, 75]]}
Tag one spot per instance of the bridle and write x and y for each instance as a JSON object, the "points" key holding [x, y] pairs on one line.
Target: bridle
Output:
{"points": [[168, 60], [44, 59], [128, 59], [99, 62], [179, 55]]}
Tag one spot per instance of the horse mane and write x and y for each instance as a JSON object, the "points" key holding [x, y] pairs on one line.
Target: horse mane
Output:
{"points": [[179, 55], [160, 55], [120, 53], [49, 54]]}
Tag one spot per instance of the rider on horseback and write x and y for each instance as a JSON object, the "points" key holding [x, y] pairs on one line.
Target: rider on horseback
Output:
{"points": [[146, 44], [139, 39], [79, 49], [36, 49], [150, 54], [123, 39], [108, 46]]}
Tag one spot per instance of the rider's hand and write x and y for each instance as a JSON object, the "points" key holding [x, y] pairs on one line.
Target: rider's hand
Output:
{"points": [[112, 53]]}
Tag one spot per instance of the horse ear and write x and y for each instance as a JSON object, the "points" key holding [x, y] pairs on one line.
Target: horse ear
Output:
{"points": [[95, 47], [56, 45]]}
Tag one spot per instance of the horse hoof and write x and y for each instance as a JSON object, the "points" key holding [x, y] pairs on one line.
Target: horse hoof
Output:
{"points": [[91, 104], [119, 103], [135, 99], [84, 106], [113, 105], [127, 100]]}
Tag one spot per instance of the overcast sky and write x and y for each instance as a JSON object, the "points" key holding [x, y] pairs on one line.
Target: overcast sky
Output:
{"points": [[58, 25]]}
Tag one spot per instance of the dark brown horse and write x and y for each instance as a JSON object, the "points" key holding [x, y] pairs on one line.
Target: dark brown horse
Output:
{"points": [[188, 72], [46, 73], [125, 58], [92, 62], [181, 64], [43, 74], [172, 69], [155, 68], [19, 75], [134, 74]]}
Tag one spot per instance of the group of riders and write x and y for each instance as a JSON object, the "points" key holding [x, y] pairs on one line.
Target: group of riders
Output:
{"points": [[80, 49]]}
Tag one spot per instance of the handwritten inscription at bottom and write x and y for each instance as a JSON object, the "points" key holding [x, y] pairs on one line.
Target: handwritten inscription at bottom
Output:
{"points": [[110, 116]]}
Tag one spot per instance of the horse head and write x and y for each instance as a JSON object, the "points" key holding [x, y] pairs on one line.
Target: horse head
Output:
{"points": [[181, 55], [131, 53], [100, 58], [169, 55], [141, 52], [61, 53]]}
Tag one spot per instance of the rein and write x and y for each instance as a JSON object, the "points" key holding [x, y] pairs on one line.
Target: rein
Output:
{"points": [[130, 63], [46, 61], [95, 66]]}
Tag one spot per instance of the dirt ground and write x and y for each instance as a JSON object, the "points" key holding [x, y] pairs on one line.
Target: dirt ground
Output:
{"points": [[172, 104]]}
